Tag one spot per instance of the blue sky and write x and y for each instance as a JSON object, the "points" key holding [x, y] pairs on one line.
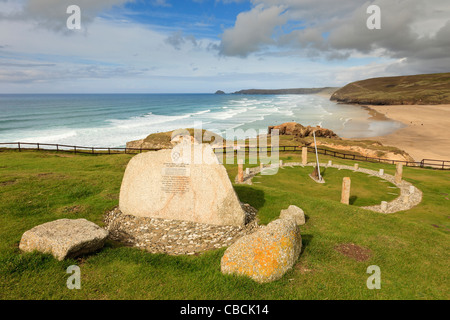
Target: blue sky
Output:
{"points": [[173, 46], [202, 18]]}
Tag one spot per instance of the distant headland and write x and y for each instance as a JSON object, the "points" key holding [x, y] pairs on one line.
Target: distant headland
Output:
{"points": [[423, 89], [325, 90]]}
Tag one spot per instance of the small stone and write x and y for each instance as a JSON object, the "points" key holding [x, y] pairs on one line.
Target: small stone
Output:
{"points": [[294, 212]]}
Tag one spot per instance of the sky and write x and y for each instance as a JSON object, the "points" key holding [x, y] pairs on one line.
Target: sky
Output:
{"points": [[200, 46]]}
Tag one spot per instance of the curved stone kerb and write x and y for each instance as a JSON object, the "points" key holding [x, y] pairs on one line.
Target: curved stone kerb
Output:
{"points": [[405, 201]]}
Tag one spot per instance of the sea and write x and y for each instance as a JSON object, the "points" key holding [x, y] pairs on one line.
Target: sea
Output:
{"points": [[110, 120]]}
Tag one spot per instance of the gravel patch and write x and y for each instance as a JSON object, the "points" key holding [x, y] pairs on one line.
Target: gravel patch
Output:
{"points": [[175, 237]]}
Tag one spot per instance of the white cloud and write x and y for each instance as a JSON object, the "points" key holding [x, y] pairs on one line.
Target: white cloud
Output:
{"points": [[252, 30], [413, 29], [52, 14]]}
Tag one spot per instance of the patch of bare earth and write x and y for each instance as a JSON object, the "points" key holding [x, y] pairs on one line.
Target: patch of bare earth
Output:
{"points": [[51, 175], [7, 183], [72, 209], [354, 251], [303, 268]]}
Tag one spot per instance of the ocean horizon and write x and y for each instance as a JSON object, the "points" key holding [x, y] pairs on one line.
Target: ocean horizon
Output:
{"points": [[111, 120]]}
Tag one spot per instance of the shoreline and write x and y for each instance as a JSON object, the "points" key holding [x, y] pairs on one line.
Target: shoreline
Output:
{"points": [[426, 134]]}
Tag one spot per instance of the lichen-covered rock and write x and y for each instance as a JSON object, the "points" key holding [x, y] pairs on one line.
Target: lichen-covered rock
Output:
{"points": [[266, 254], [295, 213], [64, 238]]}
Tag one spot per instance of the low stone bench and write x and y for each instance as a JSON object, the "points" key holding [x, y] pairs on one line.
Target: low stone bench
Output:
{"points": [[64, 238]]}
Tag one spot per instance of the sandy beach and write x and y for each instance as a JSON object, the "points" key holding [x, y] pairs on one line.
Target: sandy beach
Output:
{"points": [[427, 135]]}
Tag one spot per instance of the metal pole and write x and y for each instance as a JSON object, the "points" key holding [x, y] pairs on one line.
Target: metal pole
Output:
{"points": [[317, 156]]}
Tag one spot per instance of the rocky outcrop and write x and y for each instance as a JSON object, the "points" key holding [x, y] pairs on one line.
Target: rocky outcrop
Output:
{"points": [[64, 238], [299, 131], [265, 255], [294, 212], [164, 140], [219, 92]]}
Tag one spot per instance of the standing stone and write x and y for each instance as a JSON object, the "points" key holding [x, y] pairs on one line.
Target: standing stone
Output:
{"points": [[345, 196], [381, 172], [384, 205], [281, 163], [356, 166], [411, 189], [247, 171], [304, 156], [398, 173], [64, 238], [330, 163], [177, 185], [240, 172], [261, 166]]}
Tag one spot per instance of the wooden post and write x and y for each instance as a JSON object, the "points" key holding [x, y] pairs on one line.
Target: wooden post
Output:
{"points": [[398, 173], [304, 156], [345, 195], [18, 143]]}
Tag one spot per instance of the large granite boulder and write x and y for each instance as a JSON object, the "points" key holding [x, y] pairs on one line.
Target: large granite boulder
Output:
{"points": [[295, 213], [266, 254], [64, 238], [187, 183]]}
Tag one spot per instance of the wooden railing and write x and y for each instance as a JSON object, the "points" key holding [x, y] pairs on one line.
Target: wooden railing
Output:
{"points": [[425, 163], [75, 149]]}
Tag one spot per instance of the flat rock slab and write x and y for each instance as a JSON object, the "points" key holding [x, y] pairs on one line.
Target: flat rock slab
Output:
{"points": [[266, 254], [64, 238], [187, 183]]}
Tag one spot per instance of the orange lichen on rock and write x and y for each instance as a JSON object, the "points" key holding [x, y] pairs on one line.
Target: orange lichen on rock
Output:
{"points": [[265, 255]]}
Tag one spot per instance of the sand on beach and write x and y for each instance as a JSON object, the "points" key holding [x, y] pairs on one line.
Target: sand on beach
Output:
{"points": [[427, 135]]}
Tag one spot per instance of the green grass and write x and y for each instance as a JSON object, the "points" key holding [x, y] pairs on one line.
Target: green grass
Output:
{"points": [[411, 248]]}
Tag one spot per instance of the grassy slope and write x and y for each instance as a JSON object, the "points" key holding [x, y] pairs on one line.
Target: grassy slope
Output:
{"points": [[40, 187], [417, 89]]}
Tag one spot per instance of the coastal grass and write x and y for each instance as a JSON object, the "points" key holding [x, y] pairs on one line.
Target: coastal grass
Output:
{"points": [[411, 248]]}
